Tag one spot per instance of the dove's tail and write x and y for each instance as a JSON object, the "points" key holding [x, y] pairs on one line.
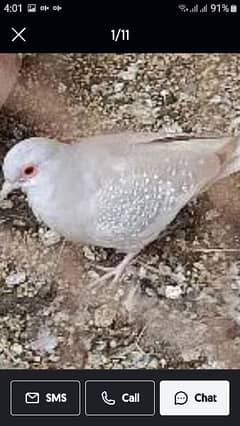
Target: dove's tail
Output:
{"points": [[229, 155]]}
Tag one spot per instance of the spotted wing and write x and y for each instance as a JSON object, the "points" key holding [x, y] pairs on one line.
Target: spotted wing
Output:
{"points": [[143, 192]]}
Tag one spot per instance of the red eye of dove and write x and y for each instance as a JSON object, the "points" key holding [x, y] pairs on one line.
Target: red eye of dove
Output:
{"points": [[28, 170]]}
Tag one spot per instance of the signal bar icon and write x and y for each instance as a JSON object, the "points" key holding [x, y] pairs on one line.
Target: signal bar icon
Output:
{"points": [[204, 9], [194, 9]]}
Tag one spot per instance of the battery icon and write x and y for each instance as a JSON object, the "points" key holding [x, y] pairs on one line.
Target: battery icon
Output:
{"points": [[233, 8]]}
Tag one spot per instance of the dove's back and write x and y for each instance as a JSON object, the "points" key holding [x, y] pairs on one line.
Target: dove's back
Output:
{"points": [[142, 181]]}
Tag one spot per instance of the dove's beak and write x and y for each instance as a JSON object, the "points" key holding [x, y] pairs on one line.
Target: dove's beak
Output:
{"points": [[6, 189]]}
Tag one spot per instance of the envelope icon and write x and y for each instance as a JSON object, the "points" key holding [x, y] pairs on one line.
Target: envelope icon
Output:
{"points": [[32, 398]]}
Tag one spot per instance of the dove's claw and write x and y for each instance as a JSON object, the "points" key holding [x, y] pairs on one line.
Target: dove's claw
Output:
{"points": [[105, 269], [115, 272]]}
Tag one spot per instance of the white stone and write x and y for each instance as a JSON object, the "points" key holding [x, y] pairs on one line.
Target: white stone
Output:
{"points": [[15, 279], [172, 292], [118, 87], [130, 73], [49, 238], [45, 342], [6, 204], [17, 348]]}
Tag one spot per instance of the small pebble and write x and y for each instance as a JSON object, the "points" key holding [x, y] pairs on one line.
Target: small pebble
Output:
{"points": [[118, 87], [88, 253], [17, 348], [15, 279], [49, 238], [104, 316], [45, 342], [6, 204], [172, 292], [149, 292], [154, 363], [130, 73], [113, 344], [19, 223]]}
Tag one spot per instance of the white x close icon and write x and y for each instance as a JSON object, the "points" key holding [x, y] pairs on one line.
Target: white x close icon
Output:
{"points": [[18, 34]]}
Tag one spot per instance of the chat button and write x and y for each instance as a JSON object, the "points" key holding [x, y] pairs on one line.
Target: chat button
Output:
{"points": [[194, 398]]}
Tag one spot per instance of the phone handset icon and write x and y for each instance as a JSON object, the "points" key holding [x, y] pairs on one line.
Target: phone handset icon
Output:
{"points": [[107, 400]]}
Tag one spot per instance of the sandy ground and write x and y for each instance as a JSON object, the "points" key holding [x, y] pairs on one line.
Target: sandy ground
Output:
{"points": [[178, 305]]}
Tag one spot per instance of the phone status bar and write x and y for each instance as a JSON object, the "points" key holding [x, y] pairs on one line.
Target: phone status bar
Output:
{"points": [[58, 26], [31, 8], [213, 8]]}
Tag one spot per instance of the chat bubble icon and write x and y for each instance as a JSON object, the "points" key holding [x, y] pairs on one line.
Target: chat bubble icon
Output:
{"points": [[180, 398]]}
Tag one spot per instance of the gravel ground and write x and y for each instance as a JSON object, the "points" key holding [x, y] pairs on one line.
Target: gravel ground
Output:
{"points": [[178, 305]]}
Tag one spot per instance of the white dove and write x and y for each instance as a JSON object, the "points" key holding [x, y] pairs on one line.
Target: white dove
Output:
{"points": [[116, 191]]}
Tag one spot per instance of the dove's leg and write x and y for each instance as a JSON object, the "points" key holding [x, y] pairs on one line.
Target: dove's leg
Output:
{"points": [[115, 272]]}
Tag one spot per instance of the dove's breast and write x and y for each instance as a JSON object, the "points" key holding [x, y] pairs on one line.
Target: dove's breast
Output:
{"points": [[61, 199], [65, 214]]}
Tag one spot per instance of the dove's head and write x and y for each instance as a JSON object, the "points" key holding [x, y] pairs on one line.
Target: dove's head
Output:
{"points": [[25, 164]]}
